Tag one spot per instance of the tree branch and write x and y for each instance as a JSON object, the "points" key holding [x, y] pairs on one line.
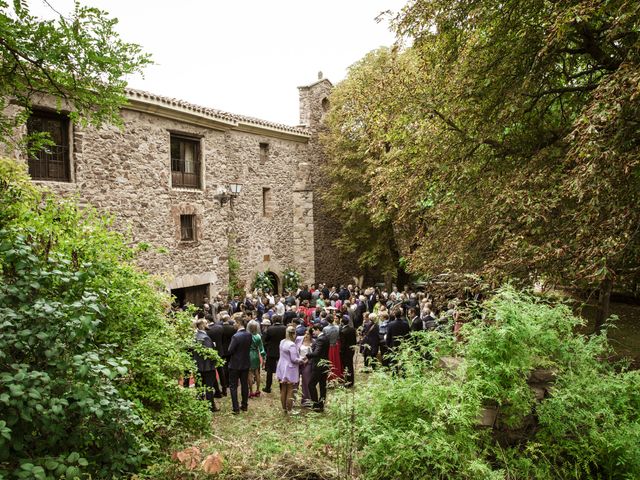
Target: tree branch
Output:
{"points": [[592, 47], [17, 54], [561, 90]]}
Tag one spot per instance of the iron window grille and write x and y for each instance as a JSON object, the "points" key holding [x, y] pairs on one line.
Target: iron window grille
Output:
{"points": [[51, 162]]}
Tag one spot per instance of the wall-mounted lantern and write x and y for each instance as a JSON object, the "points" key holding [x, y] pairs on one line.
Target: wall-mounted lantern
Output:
{"points": [[228, 193]]}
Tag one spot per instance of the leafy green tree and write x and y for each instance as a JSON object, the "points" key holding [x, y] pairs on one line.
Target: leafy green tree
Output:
{"points": [[89, 359], [514, 150], [77, 59], [364, 110]]}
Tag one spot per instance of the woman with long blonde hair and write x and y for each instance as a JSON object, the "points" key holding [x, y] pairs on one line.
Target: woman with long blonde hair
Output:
{"points": [[288, 369], [256, 358]]}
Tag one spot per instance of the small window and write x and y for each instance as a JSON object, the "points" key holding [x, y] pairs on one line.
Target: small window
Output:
{"points": [[52, 161], [264, 152], [187, 228], [266, 202], [185, 162]]}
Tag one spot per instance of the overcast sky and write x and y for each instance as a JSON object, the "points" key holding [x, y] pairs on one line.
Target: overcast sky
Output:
{"points": [[245, 56]]}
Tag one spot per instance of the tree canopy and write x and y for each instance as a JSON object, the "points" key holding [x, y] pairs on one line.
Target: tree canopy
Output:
{"points": [[503, 140], [79, 59]]}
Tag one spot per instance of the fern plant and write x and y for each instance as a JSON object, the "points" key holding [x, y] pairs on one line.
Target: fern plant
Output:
{"points": [[424, 422]]}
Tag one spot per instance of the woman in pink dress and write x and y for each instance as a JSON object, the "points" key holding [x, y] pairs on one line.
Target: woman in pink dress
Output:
{"points": [[288, 369]]}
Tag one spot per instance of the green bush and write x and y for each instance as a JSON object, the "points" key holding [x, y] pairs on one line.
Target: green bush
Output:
{"points": [[89, 360], [290, 280], [423, 423], [262, 282]]}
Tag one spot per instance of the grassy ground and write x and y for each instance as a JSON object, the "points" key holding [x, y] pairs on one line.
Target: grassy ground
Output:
{"points": [[624, 335], [267, 444]]}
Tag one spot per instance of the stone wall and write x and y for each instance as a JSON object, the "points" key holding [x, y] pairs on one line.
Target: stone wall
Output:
{"points": [[127, 173], [266, 242], [331, 264]]}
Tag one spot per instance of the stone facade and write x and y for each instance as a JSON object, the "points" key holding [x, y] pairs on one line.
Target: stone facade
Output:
{"points": [[332, 265], [271, 225]]}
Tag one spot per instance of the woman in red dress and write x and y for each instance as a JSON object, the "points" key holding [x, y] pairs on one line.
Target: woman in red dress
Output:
{"points": [[332, 331]]}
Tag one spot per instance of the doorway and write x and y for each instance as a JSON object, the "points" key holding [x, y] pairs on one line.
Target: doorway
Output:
{"points": [[194, 295], [274, 281]]}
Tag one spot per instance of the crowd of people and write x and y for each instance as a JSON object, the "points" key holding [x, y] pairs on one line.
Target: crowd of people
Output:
{"points": [[305, 338]]}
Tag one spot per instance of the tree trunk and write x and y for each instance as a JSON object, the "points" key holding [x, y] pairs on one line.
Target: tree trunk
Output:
{"points": [[604, 301], [403, 278], [388, 281]]}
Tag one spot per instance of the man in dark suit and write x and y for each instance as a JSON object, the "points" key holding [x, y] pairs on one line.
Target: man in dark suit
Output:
{"points": [[239, 365], [415, 321], [358, 315], [234, 305], [214, 331], [304, 294], [347, 341], [228, 331], [271, 340], [206, 367], [289, 316], [344, 293], [319, 358], [396, 331]]}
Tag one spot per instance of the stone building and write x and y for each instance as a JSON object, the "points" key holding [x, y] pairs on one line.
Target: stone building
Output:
{"points": [[171, 177]]}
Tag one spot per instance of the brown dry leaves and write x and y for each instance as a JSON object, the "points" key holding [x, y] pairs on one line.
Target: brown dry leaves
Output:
{"points": [[191, 457]]}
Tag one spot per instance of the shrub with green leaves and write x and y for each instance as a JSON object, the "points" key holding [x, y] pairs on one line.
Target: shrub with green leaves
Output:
{"points": [[424, 422], [89, 360], [262, 282], [290, 279]]}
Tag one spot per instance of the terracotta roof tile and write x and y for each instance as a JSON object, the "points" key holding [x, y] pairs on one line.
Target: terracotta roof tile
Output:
{"points": [[214, 113]]}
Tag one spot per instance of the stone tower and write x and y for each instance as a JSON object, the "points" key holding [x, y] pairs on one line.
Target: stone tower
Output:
{"points": [[331, 265]]}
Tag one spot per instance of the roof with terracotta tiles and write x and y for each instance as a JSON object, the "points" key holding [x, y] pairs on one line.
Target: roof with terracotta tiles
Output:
{"points": [[232, 118]]}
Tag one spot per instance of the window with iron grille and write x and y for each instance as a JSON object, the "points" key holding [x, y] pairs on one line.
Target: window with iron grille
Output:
{"points": [[187, 228], [264, 152], [52, 161], [185, 162]]}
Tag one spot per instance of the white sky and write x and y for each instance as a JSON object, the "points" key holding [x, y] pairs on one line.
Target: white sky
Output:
{"points": [[245, 56]]}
